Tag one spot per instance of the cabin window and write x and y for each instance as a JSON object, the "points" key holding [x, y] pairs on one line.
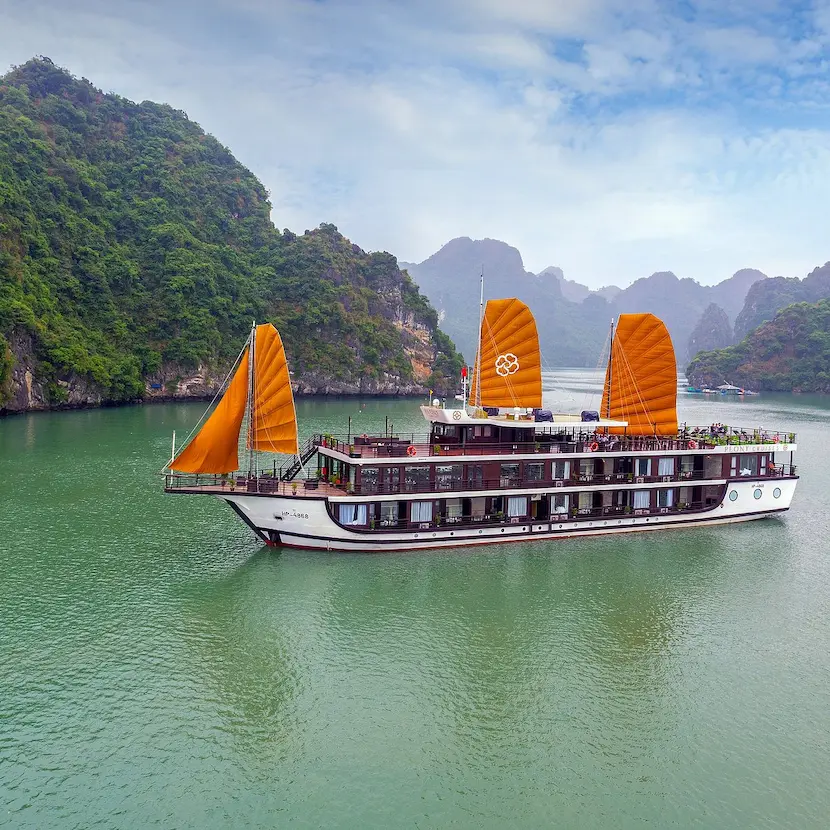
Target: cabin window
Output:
{"points": [[748, 465], [392, 479], [453, 510], [562, 470], [416, 478], [369, 478], [509, 474], [665, 498], [475, 476], [448, 477], [477, 508], [642, 499], [733, 466], [517, 506], [586, 502], [534, 472], [445, 430], [421, 511], [559, 503], [687, 463], [665, 467], [586, 468], [643, 466], [352, 514], [762, 467], [388, 513], [482, 432]]}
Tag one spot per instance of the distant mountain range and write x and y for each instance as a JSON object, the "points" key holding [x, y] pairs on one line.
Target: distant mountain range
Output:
{"points": [[573, 320]]}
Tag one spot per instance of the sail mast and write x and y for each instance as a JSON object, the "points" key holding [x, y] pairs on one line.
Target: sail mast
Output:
{"points": [[251, 397], [610, 369], [478, 351]]}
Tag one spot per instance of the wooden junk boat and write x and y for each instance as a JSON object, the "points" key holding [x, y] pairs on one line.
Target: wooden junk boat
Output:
{"points": [[494, 468]]}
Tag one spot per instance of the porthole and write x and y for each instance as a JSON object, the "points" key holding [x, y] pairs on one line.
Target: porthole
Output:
{"points": [[502, 530], [758, 493], [733, 495], [560, 527], [777, 492]]}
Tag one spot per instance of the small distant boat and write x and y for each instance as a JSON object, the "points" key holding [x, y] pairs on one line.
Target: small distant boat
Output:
{"points": [[730, 389]]}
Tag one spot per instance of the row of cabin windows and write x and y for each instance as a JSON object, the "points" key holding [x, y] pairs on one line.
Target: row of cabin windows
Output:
{"points": [[450, 476], [390, 513]]}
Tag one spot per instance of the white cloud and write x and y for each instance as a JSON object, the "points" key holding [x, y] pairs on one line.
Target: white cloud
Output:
{"points": [[611, 138]]}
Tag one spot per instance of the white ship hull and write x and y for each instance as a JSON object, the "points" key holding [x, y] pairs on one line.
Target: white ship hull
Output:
{"points": [[305, 522]]}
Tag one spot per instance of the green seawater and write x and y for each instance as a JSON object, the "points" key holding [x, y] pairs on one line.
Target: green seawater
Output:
{"points": [[160, 668]]}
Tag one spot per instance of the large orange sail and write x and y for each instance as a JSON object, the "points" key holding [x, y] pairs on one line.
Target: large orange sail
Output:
{"points": [[641, 378], [214, 448], [274, 420], [511, 365]]}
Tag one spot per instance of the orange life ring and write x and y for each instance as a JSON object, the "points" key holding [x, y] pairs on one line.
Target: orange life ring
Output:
{"points": [[692, 444], [411, 451], [594, 447]]}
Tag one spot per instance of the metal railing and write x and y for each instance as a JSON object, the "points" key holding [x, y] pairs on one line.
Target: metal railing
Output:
{"points": [[499, 519], [420, 445], [267, 483]]}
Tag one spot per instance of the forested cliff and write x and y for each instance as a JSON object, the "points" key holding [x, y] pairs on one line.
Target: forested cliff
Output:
{"points": [[789, 353], [135, 251]]}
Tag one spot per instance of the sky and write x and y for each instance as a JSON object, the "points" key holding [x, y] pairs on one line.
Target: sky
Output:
{"points": [[612, 138]]}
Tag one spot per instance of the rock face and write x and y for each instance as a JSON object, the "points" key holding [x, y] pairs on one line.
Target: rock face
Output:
{"points": [[712, 331], [767, 297]]}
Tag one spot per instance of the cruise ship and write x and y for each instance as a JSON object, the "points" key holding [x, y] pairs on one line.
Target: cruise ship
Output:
{"points": [[495, 467]]}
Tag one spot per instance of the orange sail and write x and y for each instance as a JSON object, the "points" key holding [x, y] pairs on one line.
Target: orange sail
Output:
{"points": [[214, 448], [511, 365], [273, 420], [641, 378]]}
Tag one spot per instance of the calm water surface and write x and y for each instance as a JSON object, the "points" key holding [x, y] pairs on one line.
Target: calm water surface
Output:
{"points": [[161, 669]]}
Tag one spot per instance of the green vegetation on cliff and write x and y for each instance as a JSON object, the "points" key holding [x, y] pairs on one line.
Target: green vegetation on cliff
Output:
{"points": [[790, 352], [131, 241]]}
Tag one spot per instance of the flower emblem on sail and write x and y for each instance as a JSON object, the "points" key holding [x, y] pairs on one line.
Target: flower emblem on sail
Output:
{"points": [[507, 364]]}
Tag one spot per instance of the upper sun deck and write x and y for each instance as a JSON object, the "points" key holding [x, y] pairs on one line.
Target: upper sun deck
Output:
{"points": [[574, 438], [515, 420]]}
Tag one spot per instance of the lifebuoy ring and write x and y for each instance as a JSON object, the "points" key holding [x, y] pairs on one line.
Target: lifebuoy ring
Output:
{"points": [[411, 451], [594, 447], [693, 444]]}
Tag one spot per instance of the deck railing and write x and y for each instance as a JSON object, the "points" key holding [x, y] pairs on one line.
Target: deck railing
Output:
{"points": [[420, 445], [268, 483], [489, 520]]}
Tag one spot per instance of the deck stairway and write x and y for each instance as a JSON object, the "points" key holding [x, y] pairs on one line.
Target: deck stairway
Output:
{"points": [[308, 450]]}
